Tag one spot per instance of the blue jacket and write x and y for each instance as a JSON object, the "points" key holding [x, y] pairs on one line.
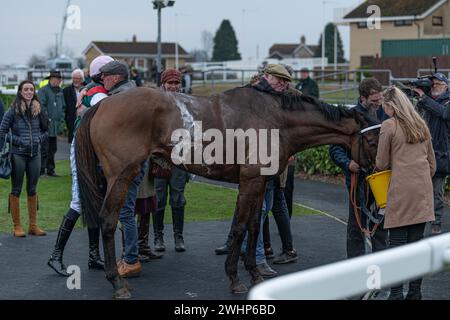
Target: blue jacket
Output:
{"points": [[27, 132], [342, 157], [435, 112]]}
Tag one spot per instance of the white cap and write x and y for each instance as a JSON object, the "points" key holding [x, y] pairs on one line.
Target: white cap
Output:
{"points": [[97, 63]]}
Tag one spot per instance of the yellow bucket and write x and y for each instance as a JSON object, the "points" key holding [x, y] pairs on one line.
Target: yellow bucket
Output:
{"points": [[379, 184]]}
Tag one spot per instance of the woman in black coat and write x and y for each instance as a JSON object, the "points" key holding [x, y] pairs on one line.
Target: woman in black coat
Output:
{"points": [[28, 129]]}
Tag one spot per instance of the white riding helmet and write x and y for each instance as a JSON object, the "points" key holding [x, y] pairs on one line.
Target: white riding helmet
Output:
{"points": [[97, 63]]}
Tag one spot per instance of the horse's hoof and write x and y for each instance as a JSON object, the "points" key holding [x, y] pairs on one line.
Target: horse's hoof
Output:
{"points": [[257, 280], [122, 293], [238, 287]]}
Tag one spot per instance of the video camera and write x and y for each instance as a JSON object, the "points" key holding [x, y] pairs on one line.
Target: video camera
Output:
{"points": [[425, 83]]}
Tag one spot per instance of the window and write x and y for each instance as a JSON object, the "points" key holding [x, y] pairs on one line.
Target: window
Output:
{"points": [[403, 23], [438, 21], [362, 25], [140, 63]]}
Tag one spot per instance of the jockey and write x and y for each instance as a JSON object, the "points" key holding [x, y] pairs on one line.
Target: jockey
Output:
{"points": [[89, 96]]}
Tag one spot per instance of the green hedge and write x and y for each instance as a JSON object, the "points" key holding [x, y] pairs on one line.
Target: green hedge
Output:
{"points": [[316, 160], [7, 100]]}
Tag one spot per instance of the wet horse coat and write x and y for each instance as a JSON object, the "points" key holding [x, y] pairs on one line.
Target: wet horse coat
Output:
{"points": [[123, 130]]}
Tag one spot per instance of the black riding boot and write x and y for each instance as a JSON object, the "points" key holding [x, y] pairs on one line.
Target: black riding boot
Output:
{"points": [[414, 292], [178, 222], [55, 262], [145, 252], [396, 293], [226, 247], [158, 227], [268, 251], [95, 261]]}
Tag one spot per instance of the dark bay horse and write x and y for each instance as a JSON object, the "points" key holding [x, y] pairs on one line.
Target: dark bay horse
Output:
{"points": [[122, 131]]}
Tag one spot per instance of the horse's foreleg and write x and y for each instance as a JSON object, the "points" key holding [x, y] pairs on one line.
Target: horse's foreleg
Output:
{"points": [[232, 260], [253, 226], [247, 207]]}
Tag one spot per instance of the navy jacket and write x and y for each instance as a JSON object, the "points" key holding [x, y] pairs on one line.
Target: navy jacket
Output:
{"points": [[435, 112], [27, 132], [1, 111], [342, 157]]}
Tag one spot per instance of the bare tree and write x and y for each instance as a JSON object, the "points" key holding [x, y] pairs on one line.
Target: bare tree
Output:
{"points": [[207, 40], [36, 59], [199, 55], [50, 52]]}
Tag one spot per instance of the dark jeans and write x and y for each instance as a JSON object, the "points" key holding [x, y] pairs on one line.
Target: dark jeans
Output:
{"points": [[289, 189], [355, 238], [128, 221], [21, 165], [438, 193], [281, 216], [49, 148]]}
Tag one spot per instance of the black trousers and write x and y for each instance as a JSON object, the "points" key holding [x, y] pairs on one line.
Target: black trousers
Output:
{"points": [[25, 164], [281, 216], [401, 236], [406, 234], [355, 238], [48, 152], [289, 189]]}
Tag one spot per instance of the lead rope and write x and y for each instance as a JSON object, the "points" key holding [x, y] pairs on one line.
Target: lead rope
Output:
{"points": [[356, 209]]}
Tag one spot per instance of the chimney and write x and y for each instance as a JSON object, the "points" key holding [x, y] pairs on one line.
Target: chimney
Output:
{"points": [[134, 38], [302, 40]]}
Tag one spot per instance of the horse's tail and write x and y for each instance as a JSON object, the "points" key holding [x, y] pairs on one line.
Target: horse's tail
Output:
{"points": [[88, 172]]}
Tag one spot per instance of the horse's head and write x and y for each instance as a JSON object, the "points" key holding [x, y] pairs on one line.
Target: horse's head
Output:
{"points": [[365, 142]]}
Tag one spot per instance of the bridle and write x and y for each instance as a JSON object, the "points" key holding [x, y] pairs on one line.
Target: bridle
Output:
{"points": [[361, 138], [354, 183]]}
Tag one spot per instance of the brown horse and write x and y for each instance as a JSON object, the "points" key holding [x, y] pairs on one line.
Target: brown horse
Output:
{"points": [[122, 131]]}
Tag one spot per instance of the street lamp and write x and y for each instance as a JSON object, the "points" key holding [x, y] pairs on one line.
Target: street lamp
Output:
{"points": [[158, 5]]}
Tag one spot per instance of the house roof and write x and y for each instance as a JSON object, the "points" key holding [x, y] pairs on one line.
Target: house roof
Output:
{"points": [[398, 8], [288, 48], [136, 48]]}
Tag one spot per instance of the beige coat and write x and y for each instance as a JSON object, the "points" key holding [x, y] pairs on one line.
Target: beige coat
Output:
{"points": [[410, 193]]}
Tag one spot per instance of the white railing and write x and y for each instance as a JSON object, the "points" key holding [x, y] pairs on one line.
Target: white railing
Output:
{"points": [[357, 276]]}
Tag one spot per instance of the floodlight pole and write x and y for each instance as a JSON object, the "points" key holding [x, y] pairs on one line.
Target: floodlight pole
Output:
{"points": [[159, 4], [159, 54]]}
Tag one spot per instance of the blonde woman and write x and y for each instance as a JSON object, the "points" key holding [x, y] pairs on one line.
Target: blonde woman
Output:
{"points": [[405, 148]]}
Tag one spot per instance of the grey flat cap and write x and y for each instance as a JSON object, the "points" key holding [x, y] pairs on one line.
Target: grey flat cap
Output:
{"points": [[115, 67]]}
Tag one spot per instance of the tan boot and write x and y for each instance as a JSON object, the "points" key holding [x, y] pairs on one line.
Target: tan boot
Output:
{"points": [[15, 214], [129, 270], [32, 214]]}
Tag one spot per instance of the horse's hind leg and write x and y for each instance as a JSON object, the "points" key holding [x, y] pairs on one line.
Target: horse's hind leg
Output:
{"points": [[109, 217]]}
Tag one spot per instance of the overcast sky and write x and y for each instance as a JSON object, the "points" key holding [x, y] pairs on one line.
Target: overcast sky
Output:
{"points": [[29, 26]]}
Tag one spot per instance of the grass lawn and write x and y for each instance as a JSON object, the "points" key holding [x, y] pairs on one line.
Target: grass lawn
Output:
{"points": [[204, 202]]}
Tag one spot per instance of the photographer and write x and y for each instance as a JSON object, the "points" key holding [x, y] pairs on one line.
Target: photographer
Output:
{"points": [[434, 110]]}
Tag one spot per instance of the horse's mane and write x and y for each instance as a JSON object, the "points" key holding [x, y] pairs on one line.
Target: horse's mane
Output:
{"points": [[298, 101]]}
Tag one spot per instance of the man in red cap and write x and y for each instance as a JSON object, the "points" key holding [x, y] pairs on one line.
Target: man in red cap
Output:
{"points": [[171, 80], [173, 179]]}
